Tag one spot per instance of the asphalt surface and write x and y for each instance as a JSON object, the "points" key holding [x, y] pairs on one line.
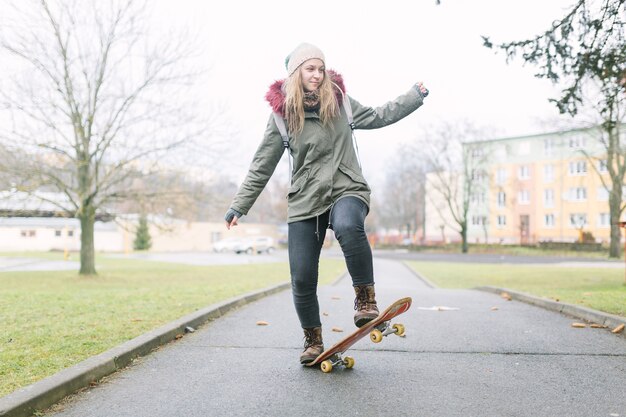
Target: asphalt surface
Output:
{"points": [[483, 356]]}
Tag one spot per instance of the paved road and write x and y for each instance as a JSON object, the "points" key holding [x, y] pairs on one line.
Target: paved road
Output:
{"points": [[517, 360], [9, 264], [492, 258]]}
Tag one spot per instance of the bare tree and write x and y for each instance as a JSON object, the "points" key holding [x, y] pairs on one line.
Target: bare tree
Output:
{"points": [[402, 204], [457, 171], [96, 106]]}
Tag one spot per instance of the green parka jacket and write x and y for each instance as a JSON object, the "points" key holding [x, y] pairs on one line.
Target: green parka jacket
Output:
{"points": [[325, 164]]}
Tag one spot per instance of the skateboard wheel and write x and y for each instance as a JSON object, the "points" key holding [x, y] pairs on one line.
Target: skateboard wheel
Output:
{"points": [[399, 328], [348, 361], [326, 366], [376, 336]]}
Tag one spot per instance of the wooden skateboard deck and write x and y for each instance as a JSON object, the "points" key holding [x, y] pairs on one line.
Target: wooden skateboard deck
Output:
{"points": [[376, 328]]}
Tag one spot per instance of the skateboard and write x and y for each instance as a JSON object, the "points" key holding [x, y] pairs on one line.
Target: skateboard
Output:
{"points": [[377, 329]]}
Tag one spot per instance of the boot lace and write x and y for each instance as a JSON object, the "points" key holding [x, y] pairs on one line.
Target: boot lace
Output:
{"points": [[361, 302], [310, 339]]}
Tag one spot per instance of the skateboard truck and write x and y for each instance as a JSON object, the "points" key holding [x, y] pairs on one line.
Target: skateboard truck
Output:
{"points": [[377, 334], [336, 360]]}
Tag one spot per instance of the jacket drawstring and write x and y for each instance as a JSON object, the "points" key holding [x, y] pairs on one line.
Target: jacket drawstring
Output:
{"points": [[317, 227]]}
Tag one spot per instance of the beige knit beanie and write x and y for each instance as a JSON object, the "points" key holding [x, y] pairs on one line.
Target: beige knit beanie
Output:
{"points": [[302, 53]]}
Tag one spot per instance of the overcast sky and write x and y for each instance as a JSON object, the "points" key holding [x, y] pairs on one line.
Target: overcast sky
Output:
{"points": [[381, 49]]}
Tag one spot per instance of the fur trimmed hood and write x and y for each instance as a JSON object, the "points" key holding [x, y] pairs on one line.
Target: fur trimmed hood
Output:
{"points": [[276, 97]]}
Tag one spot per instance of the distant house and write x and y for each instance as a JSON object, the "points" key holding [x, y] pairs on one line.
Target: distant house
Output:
{"points": [[54, 233], [31, 224]]}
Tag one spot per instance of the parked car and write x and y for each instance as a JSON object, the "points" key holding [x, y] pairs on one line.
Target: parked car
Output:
{"points": [[226, 245], [257, 244]]}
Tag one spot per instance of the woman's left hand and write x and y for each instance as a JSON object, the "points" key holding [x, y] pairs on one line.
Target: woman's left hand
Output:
{"points": [[422, 89]]}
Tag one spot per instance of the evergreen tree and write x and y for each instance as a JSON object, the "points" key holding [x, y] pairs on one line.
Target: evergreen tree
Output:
{"points": [[142, 236]]}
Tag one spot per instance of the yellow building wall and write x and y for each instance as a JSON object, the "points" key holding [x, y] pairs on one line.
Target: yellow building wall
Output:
{"points": [[536, 208]]}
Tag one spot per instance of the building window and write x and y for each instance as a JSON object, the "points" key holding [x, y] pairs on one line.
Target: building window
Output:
{"points": [[523, 197], [604, 220], [478, 175], [578, 168], [603, 166], [577, 142], [478, 198], [479, 220], [476, 152], [501, 199], [58, 233], [548, 197], [501, 175], [548, 173], [578, 220], [523, 172], [28, 233], [70, 233], [501, 221], [549, 147], [578, 194], [548, 220]]}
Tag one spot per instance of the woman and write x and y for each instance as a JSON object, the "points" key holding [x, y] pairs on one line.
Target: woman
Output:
{"points": [[327, 189]]}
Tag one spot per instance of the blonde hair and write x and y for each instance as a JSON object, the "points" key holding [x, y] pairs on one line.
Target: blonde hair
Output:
{"points": [[294, 102]]}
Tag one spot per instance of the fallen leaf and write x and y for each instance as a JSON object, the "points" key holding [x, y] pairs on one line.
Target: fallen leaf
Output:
{"points": [[506, 296], [262, 323], [335, 297], [618, 329], [325, 314], [438, 308], [494, 308], [179, 336], [137, 320], [597, 326], [337, 329], [579, 325]]}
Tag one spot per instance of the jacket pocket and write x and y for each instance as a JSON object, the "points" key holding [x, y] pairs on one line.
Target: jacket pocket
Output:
{"points": [[352, 174], [298, 183]]}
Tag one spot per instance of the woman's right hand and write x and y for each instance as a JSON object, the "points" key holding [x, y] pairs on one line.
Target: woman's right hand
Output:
{"points": [[231, 217]]}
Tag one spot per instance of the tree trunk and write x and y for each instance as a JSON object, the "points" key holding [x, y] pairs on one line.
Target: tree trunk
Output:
{"points": [[87, 218], [464, 247], [615, 201]]}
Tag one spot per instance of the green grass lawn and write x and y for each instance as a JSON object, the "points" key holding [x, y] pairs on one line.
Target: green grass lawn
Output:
{"points": [[598, 288], [52, 320]]}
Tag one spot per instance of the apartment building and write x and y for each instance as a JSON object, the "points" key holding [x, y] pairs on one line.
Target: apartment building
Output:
{"points": [[545, 187]]}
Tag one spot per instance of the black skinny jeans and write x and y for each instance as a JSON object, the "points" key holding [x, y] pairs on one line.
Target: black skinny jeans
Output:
{"points": [[347, 219]]}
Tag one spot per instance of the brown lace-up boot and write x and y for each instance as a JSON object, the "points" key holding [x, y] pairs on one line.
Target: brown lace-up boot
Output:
{"points": [[365, 305], [313, 344]]}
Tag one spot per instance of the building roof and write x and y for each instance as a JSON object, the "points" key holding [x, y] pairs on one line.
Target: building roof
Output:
{"points": [[51, 223], [39, 204]]}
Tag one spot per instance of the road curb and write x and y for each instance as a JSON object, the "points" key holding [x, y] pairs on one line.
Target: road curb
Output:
{"points": [[583, 313], [419, 276], [42, 394]]}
